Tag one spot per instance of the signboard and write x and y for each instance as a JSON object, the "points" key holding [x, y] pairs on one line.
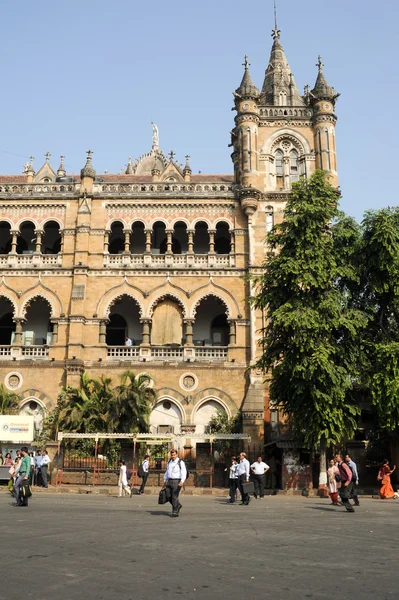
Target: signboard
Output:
{"points": [[16, 428]]}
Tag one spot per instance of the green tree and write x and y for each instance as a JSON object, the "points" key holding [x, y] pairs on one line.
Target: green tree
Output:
{"points": [[311, 348], [133, 402], [8, 401], [380, 297]]}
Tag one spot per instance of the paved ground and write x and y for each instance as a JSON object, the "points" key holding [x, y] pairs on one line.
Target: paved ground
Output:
{"points": [[67, 547]]}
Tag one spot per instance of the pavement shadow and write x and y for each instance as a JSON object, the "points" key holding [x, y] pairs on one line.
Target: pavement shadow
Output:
{"points": [[159, 513], [322, 508]]}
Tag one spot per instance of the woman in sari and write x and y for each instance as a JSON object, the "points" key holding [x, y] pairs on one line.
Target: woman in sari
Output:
{"points": [[386, 490], [332, 471]]}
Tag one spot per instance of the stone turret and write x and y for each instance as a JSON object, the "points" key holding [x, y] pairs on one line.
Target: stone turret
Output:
{"points": [[61, 172], [322, 98], [88, 174]]}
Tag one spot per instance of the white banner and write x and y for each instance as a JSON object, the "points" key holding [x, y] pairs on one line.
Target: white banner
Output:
{"points": [[16, 428]]}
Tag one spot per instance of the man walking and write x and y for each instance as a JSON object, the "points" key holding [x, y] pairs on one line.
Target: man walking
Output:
{"points": [[346, 488], [38, 460], [355, 478], [23, 474], [174, 478], [259, 470], [44, 463], [145, 465], [243, 477]]}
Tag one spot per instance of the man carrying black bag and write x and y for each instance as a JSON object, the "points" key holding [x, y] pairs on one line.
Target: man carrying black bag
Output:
{"points": [[243, 477], [23, 476], [174, 478]]}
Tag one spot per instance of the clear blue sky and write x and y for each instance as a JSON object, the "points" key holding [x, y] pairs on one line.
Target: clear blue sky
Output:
{"points": [[95, 73]]}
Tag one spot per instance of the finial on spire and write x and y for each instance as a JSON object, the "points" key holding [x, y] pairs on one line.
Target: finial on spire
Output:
{"points": [[275, 16], [171, 155], [61, 169], [30, 167], [88, 170], [89, 153], [246, 64], [47, 155], [319, 63]]}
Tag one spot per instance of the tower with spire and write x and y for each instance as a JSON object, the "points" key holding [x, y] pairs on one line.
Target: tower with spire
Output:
{"points": [[279, 137]]}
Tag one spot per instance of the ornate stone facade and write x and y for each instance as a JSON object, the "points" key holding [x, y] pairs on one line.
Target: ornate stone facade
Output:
{"points": [[103, 272]]}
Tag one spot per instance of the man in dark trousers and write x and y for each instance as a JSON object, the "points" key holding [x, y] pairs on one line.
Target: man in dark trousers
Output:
{"points": [[346, 488], [175, 476], [259, 470], [355, 478], [243, 477], [23, 474], [145, 465], [44, 463]]}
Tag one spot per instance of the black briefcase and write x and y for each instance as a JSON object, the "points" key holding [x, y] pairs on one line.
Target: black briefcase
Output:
{"points": [[248, 488], [162, 498]]}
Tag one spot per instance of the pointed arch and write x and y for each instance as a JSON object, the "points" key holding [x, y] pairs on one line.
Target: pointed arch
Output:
{"points": [[28, 302], [115, 293], [162, 296], [118, 297]]}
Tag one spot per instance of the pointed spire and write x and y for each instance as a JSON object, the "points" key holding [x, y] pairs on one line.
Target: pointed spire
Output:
{"points": [[187, 168], [247, 87], [321, 90], [61, 169], [129, 167], [279, 87], [88, 170]]}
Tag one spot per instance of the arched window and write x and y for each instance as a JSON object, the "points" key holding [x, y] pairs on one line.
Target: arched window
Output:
{"points": [[137, 240], [116, 238], [282, 99], [37, 327], [269, 219], [159, 238], [5, 238], [279, 161], [7, 325], [201, 238], [180, 238], [26, 239], [222, 239], [51, 241], [294, 170]]}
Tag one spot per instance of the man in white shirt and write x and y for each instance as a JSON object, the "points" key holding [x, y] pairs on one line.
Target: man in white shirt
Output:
{"points": [[44, 463], [259, 470], [174, 478], [243, 477], [145, 465], [128, 341]]}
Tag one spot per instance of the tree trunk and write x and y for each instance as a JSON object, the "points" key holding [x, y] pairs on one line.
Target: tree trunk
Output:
{"points": [[323, 491]]}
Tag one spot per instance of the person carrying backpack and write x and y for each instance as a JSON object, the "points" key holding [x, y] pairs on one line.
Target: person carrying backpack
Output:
{"points": [[144, 472], [174, 478], [355, 478]]}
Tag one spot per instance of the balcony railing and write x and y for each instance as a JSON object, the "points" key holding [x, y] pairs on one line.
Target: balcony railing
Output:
{"points": [[167, 353], [177, 261], [39, 189], [211, 353], [26, 261], [123, 352], [35, 351], [164, 189]]}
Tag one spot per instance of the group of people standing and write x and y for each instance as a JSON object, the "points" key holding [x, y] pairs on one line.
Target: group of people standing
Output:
{"points": [[39, 465], [240, 472]]}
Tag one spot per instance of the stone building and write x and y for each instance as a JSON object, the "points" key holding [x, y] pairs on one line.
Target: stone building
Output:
{"points": [[157, 255]]}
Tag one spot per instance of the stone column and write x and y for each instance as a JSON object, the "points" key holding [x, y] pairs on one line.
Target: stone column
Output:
{"points": [[106, 241], [212, 233], [148, 236], [232, 242], [232, 332], [189, 331], [190, 241], [62, 241], [127, 233], [146, 332], [169, 240], [103, 331], [38, 234], [18, 332], [286, 171], [54, 337], [14, 235]]}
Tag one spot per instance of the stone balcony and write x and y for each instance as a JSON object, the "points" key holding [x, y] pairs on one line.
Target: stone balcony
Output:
{"points": [[23, 352], [27, 261], [176, 261], [168, 353], [38, 190]]}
